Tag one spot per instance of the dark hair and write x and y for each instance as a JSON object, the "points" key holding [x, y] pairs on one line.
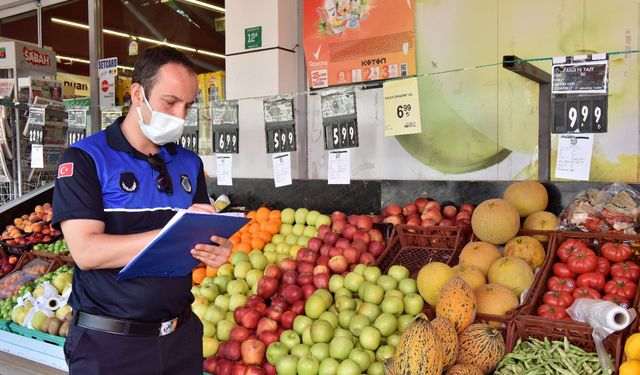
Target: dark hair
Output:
{"points": [[145, 71]]}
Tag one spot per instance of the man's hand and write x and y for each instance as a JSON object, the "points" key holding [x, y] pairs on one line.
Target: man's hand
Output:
{"points": [[202, 207], [213, 255]]}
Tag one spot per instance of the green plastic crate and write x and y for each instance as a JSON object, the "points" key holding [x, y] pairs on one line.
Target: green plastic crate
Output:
{"points": [[37, 335], [4, 325]]}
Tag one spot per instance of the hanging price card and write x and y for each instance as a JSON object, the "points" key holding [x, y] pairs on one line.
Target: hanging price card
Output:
{"points": [[36, 115], [108, 115], [279, 125], [224, 163], [574, 157], [339, 168], [401, 107], [282, 169], [37, 158], [340, 120], [226, 131]]}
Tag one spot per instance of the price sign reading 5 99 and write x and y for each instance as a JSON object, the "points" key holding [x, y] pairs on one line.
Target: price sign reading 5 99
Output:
{"points": [[585, 114]]}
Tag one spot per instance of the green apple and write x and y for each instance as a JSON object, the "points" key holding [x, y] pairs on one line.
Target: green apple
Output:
{"points": [[287, 216], [369, 310], [393, 293], [336, 282], [214, 314], [386, 323], [271, 246], [393, 305], [359, 269], [320, 350], [408, 286], [300, 215], [330, 317], [342, 292], [237, 300], [325, 295], [254, 289], [372, 274], [230, 317], [300, 323], [306, 336], [310, 231], [340, 347], [372, 355], [404, 321], [376, 368], [208, 329], [308, 365], [360, 357], [353, 280], [413, 304], [276, 239], [199, 309], [287, 365], [387, 282], [208, 280], [209, 346], [237, 287], [323, 220], [300, 350], [221, 282], [298, 229], [385, 352], [223, 330], [239, 257], [344, 318], [281, 257], [253, 276], [286, 229], [373, 294], [226, 269], [393, 339], [289, 338], [398, 272], [258, 260], [341, 332], [370, 338], [361, 289], [293, 251], [240, 270], [302, 241], [272, 256], [291, 239], [312, 216], [328, 366], [195, 290], [348, 367], [275, 351], [358, 322], [345, 303], [321, 331], [209, 291], [315, 306]]}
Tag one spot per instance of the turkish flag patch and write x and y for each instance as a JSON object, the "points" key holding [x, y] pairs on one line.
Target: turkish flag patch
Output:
{"points": [[65, 170]]}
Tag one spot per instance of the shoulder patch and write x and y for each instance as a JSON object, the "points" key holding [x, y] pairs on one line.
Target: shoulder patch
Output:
{"points": [[65, 170], [186, 183], [128, 182]]}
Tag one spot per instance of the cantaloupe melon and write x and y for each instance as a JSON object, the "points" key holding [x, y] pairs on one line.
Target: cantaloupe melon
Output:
{"points": [[511, 272], [470, 274], [431, 278], [495, 220], [527, 197], [480, 255], [526, 248], [541, 220], [494, 299]]}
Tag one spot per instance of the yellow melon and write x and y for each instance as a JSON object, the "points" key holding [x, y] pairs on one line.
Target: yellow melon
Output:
{"points": [[431, 278], [479, 255], [526, 248], [495, 299], [527, 197], [470, 274], [513, 273], [541, 220], [495, 220]]}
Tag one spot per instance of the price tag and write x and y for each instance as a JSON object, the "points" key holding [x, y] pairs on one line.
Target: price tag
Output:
{"points": [[580, 114], [226, 131], [282, 169], [108, 115], [74, 135], [339, 168], [189, 139], [279, 125], [401, 107], [37, 157], [340, 120], [574, 157], [224, 163], [77, 117], [36, 115]]}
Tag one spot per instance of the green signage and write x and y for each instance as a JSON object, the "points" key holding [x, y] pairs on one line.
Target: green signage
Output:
{"points": [[253, 37]]}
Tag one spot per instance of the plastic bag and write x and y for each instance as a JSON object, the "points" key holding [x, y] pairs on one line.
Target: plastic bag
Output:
{"points": [[615, 208], [605, 317]]}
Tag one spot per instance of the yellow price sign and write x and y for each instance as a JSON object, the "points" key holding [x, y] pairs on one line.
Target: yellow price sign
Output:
{"points": [[401, 107]]}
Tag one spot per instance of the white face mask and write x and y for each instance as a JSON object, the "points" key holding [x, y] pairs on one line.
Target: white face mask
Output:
{"points": [[163, 128]]}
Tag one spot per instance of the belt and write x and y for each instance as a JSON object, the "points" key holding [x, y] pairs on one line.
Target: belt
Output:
{"points": [[128, 327]]}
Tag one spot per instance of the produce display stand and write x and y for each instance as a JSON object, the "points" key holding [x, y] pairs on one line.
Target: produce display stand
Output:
{"points": [[33, 350]]}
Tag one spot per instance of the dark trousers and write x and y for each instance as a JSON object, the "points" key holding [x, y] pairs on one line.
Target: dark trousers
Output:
{"points": [[90, 352]]}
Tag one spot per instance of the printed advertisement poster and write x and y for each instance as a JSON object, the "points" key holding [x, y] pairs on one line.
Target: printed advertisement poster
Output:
{"points": [[349, 41]]}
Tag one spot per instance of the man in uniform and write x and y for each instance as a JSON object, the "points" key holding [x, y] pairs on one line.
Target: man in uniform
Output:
{"points": [[113, 193]]}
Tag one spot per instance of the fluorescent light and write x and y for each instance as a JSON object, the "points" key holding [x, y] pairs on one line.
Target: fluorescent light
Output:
{"points": [[205, 5], [142, 38], [77, 59]]}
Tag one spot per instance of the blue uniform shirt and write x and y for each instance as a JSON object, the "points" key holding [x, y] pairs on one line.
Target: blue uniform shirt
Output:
{"points": [[104, 178]]}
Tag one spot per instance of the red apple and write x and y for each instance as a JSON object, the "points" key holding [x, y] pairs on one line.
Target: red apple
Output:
{"points": [[224, 366], [251, 318], [330, 238], [307, 291], [278, 301], [324, 249], [320, 268], [367, 258], [351, 254], [323, 230], [421, 203], [338, 226], [273, 271], [468, 207], [446, 223], [230, 350], [352, 219], [432, 213], [268, 337], [267, 286], [376, 248], [288, 264], [432, 204], [338, 215], [393, 219], [274, 313], [375, 235], [338, 264], [238, 369], [269, 369], [342, 243], [261, 307], [428, 223], [239, 313], [209, 364], [306, 266], [298, 306], [253, 352], [323, 260], [335, 251], [289, 277], [266, 324], [364, 236], [409, 209], [287, 319], [304, 278], [463, 215], [359, 244], [376, 219], [414, 221], [292, 293], [254, 300], [321, 280], [393, 209], [364, 223], [314, 244], [254, 370], [449, 211], [348, 231]]}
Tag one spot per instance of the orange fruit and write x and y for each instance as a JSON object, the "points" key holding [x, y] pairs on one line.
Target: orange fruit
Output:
{"points": [[257, 243], [198, 275], [272, 227], [274, 214], [245, 247], [246, 237], [234, 239], [262, 214], [251, 214], [265, 236], [211, 272], [263, 226], [254, 228]]}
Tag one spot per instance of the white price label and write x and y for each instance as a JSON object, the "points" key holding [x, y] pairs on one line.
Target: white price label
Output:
{"points": [[224, 163], [37, 156], [282, 169]]}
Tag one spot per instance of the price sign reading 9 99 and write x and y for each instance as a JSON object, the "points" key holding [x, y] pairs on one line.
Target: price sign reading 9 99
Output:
{"points": [[279, 125], [340, 120], [582, 114], [226, 131]]}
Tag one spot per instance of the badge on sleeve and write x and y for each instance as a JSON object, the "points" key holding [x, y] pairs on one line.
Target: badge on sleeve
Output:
{"points": [[128, 182], [186, 183], [65, 170]]}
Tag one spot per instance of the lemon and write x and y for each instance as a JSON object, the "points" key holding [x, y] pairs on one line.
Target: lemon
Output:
{"points": [[632, 347], [630, 368]]}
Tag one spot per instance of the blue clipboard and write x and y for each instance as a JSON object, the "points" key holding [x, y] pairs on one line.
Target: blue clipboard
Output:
{"points": [[169, 253]]}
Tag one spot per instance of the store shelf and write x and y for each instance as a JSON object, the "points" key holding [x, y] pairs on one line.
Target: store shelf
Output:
{"points": [[33, 350]]}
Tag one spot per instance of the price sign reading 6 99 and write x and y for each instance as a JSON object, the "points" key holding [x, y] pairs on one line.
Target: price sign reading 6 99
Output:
{"points": [[226, 131], [340, 120]]}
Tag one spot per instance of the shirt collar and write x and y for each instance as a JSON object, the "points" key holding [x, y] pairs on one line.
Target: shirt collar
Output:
{"points": [[117, 141]]}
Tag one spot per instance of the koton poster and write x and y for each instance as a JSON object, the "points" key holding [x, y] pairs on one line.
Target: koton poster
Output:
{"points": [[350, 41]]}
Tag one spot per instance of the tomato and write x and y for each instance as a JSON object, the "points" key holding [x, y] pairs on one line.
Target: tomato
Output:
{"points": [[552, 312], [593, 280], [603, 267], [561, 284], [561, 270], [586, 293], [562, 299], [622, 287], [616, 252], [568, 247], [582, 261], [628, 270], [617, 300]]}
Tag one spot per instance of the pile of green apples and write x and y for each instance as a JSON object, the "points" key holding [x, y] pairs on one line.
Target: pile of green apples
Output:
{"points": [[296, 228], [352, 328]]}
